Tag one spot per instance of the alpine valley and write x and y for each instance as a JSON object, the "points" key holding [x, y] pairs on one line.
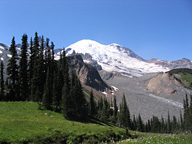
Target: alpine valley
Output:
{"points": [[112, 69]]}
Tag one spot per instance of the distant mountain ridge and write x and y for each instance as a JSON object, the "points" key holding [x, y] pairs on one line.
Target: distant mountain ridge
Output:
{"points": [[183, 63]]}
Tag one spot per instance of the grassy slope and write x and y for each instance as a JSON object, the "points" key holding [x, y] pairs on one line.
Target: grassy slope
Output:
{"points": [[23, 122], [185, 76], [154, 138]]}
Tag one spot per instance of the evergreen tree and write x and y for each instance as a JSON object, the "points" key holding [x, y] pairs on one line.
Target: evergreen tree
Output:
{"points": [[2, 94], [34, 63], [155, 124], [65, 101], [82, 106], [56, 93], [58, 85], [115, 111], [12, 73], [163, 127], [78, 105], [41, 79], [134, 125], [181, 122], [124, 115], [174, 124], [169, 124], [190, 114], [187, 101], [100, 107], [187, 120], [105, 112], [47, 99], [92, 104], [140, 124], [23, 79], [30, 67]]}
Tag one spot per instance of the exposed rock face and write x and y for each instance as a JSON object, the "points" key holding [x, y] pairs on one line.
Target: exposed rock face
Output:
{"points": [[87, 74], [163, 84], [87, 58]]}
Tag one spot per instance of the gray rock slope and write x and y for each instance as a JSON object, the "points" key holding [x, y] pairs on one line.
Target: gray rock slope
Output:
{"points": [[148, 102]]}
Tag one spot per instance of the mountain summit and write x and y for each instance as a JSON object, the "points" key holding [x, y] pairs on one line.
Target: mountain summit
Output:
{"points": [[113, 58]]}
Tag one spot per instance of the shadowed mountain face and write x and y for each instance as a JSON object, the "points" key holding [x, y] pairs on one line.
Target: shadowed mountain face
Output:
{"points": [[87, 74]]}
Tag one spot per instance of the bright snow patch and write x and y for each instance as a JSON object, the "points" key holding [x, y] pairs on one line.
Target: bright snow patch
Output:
{"points": [[9, 55], [1, 47], [104, 93], [1, 52], [2, 59], [57, 57], [115, 88], [86, 61]]}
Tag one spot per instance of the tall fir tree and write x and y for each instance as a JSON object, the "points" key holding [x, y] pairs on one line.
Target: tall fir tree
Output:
{"points": [[56, 93], [41, 75], [134, 124], [92, 104], [182, 126], [2, 92], [82, 105], [12, 73], [30, 67], [23, 78], [58, 85], [47, 99], [77, 105], [100, 107], [34, 62], [115, 110], [65, 101], [168, 124], [105, 112], [124, 115], [140, 125]]}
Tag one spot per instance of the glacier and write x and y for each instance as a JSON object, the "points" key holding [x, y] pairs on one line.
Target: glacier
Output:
{"points": [[114, 58]]}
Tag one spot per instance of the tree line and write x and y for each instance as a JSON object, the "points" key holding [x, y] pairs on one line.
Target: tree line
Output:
{"points": [[120, 116], [34, 75]]}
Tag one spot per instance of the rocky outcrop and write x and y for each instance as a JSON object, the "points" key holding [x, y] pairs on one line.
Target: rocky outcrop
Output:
{"points": [[87, 74], [163, 84]]}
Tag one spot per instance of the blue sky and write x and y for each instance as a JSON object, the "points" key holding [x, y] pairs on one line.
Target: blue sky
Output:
{"points": [[151, 28]]}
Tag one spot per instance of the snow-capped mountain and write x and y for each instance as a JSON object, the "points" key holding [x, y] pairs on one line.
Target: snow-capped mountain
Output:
{"points": [[113, 58]]}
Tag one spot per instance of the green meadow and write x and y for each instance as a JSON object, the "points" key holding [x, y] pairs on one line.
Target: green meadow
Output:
{"points": [[156, 138], [22, 122]]}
